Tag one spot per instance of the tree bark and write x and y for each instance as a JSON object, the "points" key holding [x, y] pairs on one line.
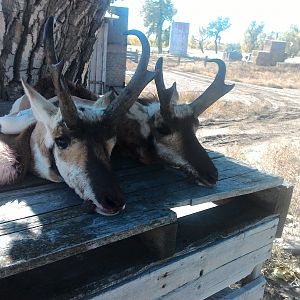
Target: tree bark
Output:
{"points": [[21, 30], [159, 39], [216, 46]]}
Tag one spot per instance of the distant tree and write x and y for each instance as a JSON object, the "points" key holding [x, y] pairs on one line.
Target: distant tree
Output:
{"points": [[261, 40], [251, 36], [233, 47], [193, 42], [203, 36], [166, 36], [215, 27], [273, 35], [292, 37], [155, 13]]}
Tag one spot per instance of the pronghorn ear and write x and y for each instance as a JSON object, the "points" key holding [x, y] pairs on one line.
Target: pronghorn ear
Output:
{"points": [[105, 99], [42, 109]]}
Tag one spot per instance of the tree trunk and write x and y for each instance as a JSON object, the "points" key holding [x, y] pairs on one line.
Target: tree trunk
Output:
{"points": [[216, 46], [201, 46], [159, 40], [21, 29]]}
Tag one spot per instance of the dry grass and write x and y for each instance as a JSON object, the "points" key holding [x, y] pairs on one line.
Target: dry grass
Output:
{"points": [[282, 160], [274, 77], [248, 73], [283, 275]]}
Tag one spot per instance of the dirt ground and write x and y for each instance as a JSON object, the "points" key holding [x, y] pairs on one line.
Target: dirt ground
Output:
{"points": [[259, 125]]}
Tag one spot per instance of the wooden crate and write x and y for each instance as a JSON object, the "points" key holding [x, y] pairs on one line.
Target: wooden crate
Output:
{"points": [[51, 247]]}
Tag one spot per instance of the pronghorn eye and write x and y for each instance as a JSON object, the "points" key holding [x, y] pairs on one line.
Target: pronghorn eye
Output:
{"points": [[163, 129], [62, 142]]}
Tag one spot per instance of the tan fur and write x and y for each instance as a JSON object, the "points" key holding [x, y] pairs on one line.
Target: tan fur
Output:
{"points": [[76, 153], [37, 140], [15, 156]]}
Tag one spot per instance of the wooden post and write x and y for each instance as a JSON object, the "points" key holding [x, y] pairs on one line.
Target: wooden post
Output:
{"points": [[277, 201], [161, 241]]}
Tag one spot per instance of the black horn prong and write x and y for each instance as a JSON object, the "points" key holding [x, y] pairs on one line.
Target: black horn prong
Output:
{"points": [[215, 91], [66, 104], [122, 103]]}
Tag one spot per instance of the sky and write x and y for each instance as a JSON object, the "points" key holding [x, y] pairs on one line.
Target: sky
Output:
{"points": [[276, 16]]}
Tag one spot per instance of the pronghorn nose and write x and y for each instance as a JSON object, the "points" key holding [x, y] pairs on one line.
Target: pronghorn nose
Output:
{"points": [[116, 203], [214, 176], [211, 178]]}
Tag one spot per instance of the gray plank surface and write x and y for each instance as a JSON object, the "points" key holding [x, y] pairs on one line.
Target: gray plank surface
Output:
{"points": [[43, 223], [76, 232]]}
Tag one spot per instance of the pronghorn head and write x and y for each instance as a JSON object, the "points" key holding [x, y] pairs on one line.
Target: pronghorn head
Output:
{"points": [[80, 138], [173, 127], [165, 130]]}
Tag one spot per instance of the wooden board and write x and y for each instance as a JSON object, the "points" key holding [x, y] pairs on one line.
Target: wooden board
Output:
{"points": [[193, 275], [48, 240], [220, 278], [276, 200], [254, 290], [116, 263]]}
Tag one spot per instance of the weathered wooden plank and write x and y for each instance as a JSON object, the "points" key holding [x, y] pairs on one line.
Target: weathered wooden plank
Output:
{"points": [[165, 187], [161, 240], [211, 225], [28, 182], [216, 280], [254, 290], [240, 185], [276, 200], [139, 174], [122, 165], [177, 272], [98, 272], [33, 247], [255, 273]]}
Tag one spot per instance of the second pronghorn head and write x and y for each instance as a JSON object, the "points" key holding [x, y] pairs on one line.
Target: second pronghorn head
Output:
{"points": [[166, 130]]}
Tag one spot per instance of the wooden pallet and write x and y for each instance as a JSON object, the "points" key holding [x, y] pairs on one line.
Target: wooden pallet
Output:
{"points": [[51, 247]]}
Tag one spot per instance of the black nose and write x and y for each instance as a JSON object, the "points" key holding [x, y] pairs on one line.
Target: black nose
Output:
{"points": [[115, 203], [213, 176], [209, 179]]}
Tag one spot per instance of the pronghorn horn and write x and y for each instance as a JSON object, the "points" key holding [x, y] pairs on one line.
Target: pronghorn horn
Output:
{"points": [[167, 97], [66, 104], [122, 103], [215, 91]]}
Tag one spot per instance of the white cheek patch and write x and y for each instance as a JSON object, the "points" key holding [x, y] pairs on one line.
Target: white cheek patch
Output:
{"points": [[173, 158], [76, 178], [16, 123], [170, 155], [138, 113]]}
